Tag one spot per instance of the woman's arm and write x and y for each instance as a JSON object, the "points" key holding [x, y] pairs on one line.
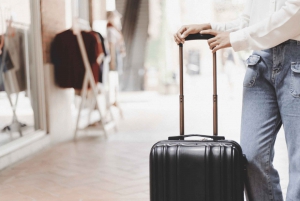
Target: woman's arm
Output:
{"points": [[282, 25]]}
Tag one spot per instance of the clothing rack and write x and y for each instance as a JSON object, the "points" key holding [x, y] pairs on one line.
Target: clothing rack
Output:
{"points": [[20, 25], [88, 81], [16, 126], [25, 27]]}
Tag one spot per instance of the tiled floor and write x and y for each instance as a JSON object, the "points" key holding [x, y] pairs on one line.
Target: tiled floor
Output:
{"points": [[87, 170], [116, 169]]}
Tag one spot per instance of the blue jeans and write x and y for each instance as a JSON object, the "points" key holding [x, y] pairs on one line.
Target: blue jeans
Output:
{"points": [[271, 98]]}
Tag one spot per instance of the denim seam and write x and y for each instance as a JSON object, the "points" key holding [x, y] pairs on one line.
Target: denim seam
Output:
{"points": [[268, 163], [273, 64], [277, 62], [270, 187], [292, 90]]}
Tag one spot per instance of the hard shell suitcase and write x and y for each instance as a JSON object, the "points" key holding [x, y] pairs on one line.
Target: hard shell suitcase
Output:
{"points": [[197, 170]]}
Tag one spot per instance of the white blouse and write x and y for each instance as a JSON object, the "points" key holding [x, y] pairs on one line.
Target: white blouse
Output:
{"points": [[264, 24]]}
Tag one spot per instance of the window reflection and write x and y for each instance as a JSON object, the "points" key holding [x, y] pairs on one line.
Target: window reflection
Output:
{"points": [[16, 115]]}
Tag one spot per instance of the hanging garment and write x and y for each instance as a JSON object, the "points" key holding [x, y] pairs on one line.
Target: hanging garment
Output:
{"points": [[14, 73], [104, 49], [99, 43], [1, 78], [103, 44], [1, 73], [5, 58], [101, 54], [69, 68]]}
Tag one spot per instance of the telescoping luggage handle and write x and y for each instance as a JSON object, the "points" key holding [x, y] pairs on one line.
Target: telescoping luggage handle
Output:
{"points": [[215, 96]]}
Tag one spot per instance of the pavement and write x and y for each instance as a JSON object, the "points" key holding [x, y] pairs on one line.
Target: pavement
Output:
{"points": [[115, 169]]}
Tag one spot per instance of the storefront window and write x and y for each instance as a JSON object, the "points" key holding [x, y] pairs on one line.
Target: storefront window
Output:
{"points": [[18, 96]]}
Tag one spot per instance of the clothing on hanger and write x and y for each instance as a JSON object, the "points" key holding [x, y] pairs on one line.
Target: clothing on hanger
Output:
{"points": [[99, 43], [100, 46], [15, 74], [103, 43], [6, 59], [1, 43], [13, 77], [69, 68], [1, 72], [104, 48]]}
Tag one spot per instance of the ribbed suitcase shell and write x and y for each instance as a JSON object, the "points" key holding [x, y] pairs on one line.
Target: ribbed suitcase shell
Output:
{"points": [[196, 171]]}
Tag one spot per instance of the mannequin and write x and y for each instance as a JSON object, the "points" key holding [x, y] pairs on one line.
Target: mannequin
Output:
{"points": [[117, 53], [115, 41]]}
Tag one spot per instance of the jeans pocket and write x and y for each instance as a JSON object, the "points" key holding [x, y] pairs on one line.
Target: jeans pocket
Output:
{"points": [[295, 80], [252, 72]]}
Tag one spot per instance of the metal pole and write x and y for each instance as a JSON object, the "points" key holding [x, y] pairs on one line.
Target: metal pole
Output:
{"points": [[215, 96], [181, 97]]}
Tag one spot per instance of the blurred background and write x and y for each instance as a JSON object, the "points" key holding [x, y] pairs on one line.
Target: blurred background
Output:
{"points": [[88, 86]]}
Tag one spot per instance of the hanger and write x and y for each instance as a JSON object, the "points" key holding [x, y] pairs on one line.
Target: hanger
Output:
{"points": [[10, 30], [75, 26], [20, 25], [80, 25]]}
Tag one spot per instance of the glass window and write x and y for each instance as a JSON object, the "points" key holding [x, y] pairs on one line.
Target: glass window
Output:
{"points": [[17, 117]]}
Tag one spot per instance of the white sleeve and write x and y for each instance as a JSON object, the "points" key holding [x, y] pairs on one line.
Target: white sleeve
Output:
{"points": [[282, 25], [241, 22]]}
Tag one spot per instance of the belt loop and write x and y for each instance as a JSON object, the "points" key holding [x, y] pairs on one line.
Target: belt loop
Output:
{"points": [[298, 42]]}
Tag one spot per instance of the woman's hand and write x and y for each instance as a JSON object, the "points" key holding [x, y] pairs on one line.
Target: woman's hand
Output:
{"points": [[186, 30], [220, 41]]}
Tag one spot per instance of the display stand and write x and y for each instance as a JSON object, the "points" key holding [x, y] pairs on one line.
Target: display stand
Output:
{"points": [[88, 81], [105, 90]]}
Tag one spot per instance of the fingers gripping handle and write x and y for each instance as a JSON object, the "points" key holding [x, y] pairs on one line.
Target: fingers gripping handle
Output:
{"points": [[215, 96], [199, 36]]}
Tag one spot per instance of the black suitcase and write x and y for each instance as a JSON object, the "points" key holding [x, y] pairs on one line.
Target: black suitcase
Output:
{"points": [[207, 170]]}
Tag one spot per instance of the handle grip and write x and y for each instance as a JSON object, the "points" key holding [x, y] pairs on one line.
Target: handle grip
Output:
{"points": [[199, 36], [181, 137]]}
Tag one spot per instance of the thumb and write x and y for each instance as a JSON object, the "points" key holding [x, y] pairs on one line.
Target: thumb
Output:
{"points": [[186, 33]]}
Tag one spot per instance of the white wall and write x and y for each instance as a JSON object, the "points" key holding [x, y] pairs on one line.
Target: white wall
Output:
{"points": [[59, 115]]}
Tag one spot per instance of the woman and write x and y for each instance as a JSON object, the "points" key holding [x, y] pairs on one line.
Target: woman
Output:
{"points": [[271, 96]]}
